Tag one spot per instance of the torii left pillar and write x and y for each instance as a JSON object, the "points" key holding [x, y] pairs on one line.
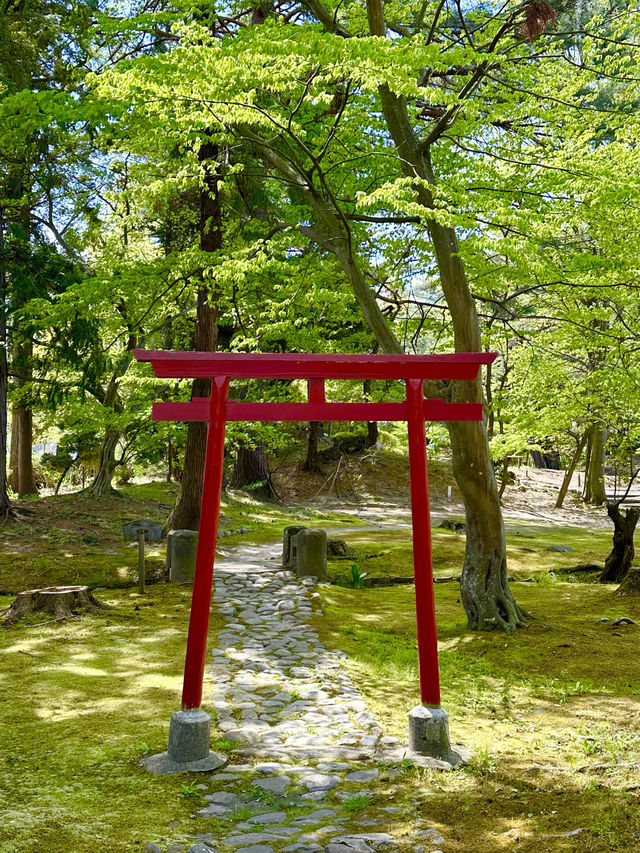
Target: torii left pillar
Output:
{"points": [[428, 721], [190, 728]]}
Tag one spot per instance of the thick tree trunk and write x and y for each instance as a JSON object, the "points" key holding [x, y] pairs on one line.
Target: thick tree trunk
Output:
{"points": [[25, 483], [186, 514], [13, 452], [484, 589], [251, 468], [5, 504], [620, 559], [101, 486], [312, 462], [594, 492], [564, 488]]}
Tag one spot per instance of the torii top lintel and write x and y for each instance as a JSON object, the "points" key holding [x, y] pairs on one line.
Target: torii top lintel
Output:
{"points": [[314, 367], [258, 365]]}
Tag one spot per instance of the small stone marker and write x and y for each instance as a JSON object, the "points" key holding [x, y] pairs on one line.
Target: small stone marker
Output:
{"points": [[181, 555], [311, 550], [288, 545], [188, 746], [152, 530], [559, 548]]}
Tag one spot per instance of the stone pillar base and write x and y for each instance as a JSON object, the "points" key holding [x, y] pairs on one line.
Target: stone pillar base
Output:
{"points": [[429, 732], [188, 746]]}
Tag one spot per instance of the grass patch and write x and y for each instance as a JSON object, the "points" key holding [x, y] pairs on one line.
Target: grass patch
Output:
{"points": [[539, 706], [388, 553], [75, 539], [83, 701]]}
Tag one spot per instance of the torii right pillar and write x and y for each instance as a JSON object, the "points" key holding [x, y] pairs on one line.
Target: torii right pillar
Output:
{"points": [[428, 722]]}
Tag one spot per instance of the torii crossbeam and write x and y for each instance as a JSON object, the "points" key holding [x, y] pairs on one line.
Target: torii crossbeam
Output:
{"points": [[218, 409]]}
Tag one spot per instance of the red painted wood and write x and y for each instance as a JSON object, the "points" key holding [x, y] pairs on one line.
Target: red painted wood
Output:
{"points": [[434, 409], [316, 391], [422, 564], [208, 533], [257, 365]]}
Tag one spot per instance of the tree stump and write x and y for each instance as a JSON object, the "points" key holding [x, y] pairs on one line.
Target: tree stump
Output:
{"points": [[58, 602], [338, 549]]}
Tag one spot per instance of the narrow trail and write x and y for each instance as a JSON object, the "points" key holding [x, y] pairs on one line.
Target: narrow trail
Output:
{"points": [[314, 771]]}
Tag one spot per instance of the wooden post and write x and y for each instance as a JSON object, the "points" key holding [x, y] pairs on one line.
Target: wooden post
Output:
{"points": [[141, 536], [205, 554], [422, 567]]}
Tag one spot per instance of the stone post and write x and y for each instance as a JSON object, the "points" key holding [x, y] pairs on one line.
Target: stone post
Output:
{"points": [[311, 553], [181, 555], [288, 545]]}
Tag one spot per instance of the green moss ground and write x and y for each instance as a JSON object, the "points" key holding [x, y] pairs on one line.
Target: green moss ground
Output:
{"points": [[538, 706], [75, 539], [85, 699], [82, 702], [388, 553]]}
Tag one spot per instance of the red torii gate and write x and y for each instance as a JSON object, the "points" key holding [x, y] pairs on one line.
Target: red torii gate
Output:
{"points": [[315, 368]]}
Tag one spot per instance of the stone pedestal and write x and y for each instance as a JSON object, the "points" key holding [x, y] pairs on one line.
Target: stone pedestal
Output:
{"points": [[288, 545], [181, 555], [188, 746], [429, 732], [311, 553]]}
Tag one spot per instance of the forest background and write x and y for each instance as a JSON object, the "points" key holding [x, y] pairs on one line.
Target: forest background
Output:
{"points": [[328, 177]]}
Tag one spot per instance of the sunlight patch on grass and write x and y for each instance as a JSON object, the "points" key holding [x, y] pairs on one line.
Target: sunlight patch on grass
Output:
{"points": [[79, 711]]}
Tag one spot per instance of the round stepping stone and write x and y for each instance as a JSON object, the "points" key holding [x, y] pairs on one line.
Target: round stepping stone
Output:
{"points": [[319, 782], [362, 775], [276, 784], [269, 768]]}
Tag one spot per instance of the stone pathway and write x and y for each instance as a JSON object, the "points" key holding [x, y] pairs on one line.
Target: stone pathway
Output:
{"points": [[278, 690], [285, 701]]}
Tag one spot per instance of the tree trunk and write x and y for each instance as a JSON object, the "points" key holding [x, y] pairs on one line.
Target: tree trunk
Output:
{"points": [[59, 602], [594, 474], [5, 504], [312, 462], [186, 514], [484, 589], [564, 488], [372, 426], [25, 480], [25, 483], [620, 559], [251, 468], [101, 486], [13, 452]]}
